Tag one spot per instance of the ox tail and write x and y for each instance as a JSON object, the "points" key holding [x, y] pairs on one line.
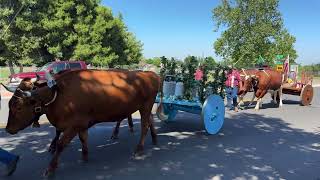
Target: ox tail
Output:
{"points": [[160, 110]]}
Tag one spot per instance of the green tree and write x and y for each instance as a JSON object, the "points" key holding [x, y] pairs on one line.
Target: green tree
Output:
{"points": [[154, 61], [252, 28], [21, 34], [41, 30]]}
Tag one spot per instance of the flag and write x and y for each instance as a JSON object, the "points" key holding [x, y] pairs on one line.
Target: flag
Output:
{"points": [[286, 66]]}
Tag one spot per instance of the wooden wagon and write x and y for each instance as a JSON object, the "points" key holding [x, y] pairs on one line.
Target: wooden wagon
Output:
{"points": [[302, 88]]}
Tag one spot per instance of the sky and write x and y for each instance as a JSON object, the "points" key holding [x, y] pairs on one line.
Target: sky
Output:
{"points": [[178, 28]]}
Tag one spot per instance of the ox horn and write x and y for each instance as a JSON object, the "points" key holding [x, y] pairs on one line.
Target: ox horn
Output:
{"points": [[10, 89], [50, 81], [27, 93]]}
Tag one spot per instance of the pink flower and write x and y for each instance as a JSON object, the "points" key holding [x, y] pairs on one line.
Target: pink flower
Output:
{"points": [[198, 75]]}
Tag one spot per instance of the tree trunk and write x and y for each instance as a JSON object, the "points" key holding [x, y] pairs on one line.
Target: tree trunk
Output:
{"points": [[11, 67], [20, 68]]}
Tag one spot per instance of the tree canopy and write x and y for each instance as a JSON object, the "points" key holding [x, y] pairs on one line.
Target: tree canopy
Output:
{"points": [[251, 28], [38, 31]]}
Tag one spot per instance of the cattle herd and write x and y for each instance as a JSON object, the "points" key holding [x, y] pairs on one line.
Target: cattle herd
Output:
{"points": [[80, 99]]}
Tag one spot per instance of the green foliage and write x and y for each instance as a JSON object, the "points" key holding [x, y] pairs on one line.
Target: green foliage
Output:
{"points": [[65, 29], [154, 61], [313, 68], [213, 80], [190, 85], [252, 28], [20, 42], [168, 67]]}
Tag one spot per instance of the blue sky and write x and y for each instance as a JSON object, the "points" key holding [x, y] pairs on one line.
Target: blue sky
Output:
{"points": [[178, 28]]}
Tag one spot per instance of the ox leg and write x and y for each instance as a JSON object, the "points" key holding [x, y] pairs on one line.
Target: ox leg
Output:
{"points": [[53, 145], [240, 101], [252, 99], [280, 97], [116, 130], [260, 94], [153, 131], [83, 136], [275, 97], [145, 124], [67, 136], [130, 123]]}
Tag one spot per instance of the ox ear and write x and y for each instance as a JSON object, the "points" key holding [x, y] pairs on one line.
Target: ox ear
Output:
{"points": [[29, 93], [10, 89]]}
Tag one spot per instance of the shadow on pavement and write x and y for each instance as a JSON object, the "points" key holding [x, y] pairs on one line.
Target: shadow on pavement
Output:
{"points": [[250, 146]]}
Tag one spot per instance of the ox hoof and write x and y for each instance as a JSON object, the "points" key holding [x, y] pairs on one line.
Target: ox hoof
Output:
{"points": [[52, 149], [36, 124], [85, 159], [114, 137], [131, 130], [138, 151], [48, 173]]}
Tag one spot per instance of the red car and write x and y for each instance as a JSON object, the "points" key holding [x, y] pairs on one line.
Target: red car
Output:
{"points": [[53, 67]]}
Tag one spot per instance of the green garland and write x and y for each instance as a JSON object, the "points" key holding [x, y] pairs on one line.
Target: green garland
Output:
{"points": [[213, 81]]}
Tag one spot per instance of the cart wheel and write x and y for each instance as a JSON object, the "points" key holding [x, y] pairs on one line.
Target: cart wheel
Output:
{"points": [[166, 113], [306, 95], [212, 114]]}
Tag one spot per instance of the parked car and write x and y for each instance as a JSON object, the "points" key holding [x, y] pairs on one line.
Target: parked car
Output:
{"points": [[52, 67]]}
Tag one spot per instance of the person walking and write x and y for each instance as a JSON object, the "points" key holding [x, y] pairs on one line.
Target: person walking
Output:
{"points": [[232, 83], [10, 160]]}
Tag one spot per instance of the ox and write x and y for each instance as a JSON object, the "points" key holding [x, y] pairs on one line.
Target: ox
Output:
{"points": [[244, 74], [262, 81], [27, 85], [83, 98]]}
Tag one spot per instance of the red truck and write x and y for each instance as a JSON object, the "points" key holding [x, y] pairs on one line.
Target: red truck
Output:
{"points": [[52, 67]]}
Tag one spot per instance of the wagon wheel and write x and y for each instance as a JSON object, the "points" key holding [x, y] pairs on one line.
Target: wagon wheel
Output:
{"points": [[306, 95], [166, 112], [212, 114]]}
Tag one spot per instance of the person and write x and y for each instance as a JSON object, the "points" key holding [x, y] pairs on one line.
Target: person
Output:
{"points": [[10, 160], [232, 83]]}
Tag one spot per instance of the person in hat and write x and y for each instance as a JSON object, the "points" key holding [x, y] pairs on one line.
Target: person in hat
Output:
{"points": [[232, 83]]}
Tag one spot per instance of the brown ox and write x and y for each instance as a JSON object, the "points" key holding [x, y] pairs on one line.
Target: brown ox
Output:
{"points": [[262, 81], [83, 98], [27, 85], [244, 74]]}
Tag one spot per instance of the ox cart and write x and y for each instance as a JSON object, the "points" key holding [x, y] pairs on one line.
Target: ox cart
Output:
{"points": [[302, 88], [198, 92]]}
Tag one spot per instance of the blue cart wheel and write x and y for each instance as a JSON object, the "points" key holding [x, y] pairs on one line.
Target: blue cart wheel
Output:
{"points": [[166, 113], [212, 114]]}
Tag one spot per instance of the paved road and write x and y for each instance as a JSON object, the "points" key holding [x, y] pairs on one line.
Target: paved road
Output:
{"points": [[272, 143]]}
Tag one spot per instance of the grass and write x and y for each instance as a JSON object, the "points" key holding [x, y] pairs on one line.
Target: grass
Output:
{"points": [[5, 72]]}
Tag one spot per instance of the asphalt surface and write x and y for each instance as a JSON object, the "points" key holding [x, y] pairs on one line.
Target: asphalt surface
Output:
{"points": [[273, 143]]}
